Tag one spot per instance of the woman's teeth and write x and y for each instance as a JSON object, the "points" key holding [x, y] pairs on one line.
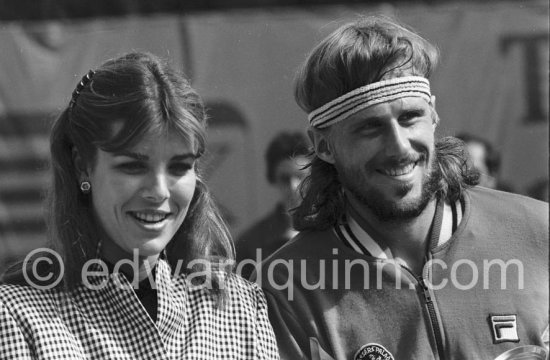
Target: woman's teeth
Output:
{"points": [[148, 217]]}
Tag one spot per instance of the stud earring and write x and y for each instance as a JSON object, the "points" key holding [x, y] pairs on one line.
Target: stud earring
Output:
{"points": [[98, 249], [85, 187]]}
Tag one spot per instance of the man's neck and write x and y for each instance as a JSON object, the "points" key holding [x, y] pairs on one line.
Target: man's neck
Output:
{"points": [[406, 240]]}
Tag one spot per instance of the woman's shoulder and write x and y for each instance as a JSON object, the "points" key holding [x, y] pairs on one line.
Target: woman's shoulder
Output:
{"points": [[244, 291], [23, 286], [237, 291], [13, 292], [21, 299], [237, 282]]}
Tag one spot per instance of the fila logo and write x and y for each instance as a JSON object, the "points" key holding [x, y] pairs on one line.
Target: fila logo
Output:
{"points": [[505, 328]]}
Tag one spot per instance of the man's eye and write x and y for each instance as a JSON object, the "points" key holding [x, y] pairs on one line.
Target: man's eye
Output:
{"points": [[370, 128], [409, 115]]}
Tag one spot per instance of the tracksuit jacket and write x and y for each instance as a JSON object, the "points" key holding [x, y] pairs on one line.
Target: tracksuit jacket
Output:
{"points": [[327, 300]]}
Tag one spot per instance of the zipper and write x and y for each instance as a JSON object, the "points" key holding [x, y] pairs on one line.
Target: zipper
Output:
{"points": [[433, 316], [431, 312], [427, 294]]}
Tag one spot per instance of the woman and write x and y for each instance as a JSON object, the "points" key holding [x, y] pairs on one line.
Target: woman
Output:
{"points": [[139, 259]]}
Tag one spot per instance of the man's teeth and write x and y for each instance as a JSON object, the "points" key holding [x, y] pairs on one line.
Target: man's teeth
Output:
{"points": [[400, 170], [150, 217]]}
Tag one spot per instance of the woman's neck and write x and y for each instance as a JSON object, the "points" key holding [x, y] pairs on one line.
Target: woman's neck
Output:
{"points": [[132, 265]]}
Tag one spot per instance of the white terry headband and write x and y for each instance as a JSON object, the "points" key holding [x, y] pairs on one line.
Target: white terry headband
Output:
{"points": [[361, 98]]}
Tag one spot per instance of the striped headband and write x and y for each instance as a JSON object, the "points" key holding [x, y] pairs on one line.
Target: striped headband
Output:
{"points": [[361, 98]]}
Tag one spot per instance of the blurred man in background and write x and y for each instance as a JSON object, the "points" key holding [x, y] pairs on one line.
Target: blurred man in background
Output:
{"points": [[285, 158], [486, 159]]}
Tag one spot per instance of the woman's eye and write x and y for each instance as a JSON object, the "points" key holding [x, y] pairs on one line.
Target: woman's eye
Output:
{"points": [[131, 167], [180, 168]]}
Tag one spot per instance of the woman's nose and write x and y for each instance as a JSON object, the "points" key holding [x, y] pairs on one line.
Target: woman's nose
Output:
{"points": [[156, 187]]}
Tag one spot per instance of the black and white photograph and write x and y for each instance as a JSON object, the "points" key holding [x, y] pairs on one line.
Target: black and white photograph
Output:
{"points": [[274, 179]]}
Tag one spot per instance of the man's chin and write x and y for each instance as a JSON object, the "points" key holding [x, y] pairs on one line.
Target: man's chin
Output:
{"points": [[400, 211], [391, 200], [402, 195], [390, 207]]}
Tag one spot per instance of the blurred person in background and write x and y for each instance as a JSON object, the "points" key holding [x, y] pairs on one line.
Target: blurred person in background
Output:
{"points": [[538, 189], [138, 260], [392, 259], [285, 158], [486, 159]]}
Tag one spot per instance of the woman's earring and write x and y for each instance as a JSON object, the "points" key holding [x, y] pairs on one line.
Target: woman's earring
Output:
{"points": [[85, 187], [98, 249]]}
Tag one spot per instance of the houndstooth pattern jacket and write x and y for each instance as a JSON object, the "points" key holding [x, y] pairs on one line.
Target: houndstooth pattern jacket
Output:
{"points": [[111, 323]]}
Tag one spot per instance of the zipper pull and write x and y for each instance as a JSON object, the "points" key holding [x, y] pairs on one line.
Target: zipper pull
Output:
{"points": [[425, 290]]}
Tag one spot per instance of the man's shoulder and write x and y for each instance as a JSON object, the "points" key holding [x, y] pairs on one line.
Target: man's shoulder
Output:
{"points": [[256, 229], [288, 262], [502, 201], [265, 226], [306, 243], [492, 205]]}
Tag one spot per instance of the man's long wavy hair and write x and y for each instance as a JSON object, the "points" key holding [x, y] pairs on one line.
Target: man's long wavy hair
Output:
{"points": [[148, 97], [368, 50]]}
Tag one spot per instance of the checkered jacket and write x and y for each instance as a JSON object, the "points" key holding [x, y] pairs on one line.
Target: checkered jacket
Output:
{"points": [[111, 323]]}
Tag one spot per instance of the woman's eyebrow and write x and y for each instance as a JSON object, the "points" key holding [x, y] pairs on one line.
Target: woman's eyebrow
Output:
{"points": [[143, 157], [131, 154], [184, 157]]}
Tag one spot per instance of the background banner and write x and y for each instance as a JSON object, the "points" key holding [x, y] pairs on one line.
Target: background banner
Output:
{"points": [[492, 82]]}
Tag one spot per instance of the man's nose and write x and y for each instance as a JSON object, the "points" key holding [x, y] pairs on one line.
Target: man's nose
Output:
{"points": [[397, 141]]}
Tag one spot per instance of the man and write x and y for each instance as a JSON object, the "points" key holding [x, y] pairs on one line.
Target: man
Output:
{"points": [[285, 157], [400, 255], [486, 159]]}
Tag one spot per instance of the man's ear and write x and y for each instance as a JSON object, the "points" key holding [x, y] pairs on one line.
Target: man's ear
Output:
{"points": [[432, 101], [322, 144], [82, 171], [435, 120]]}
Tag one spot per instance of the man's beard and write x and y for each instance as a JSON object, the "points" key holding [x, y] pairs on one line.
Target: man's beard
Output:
{"points": [[388, 210], [292, 200]]}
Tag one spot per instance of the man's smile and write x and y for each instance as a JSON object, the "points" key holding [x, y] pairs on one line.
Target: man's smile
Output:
{"points": [[399, 170]]}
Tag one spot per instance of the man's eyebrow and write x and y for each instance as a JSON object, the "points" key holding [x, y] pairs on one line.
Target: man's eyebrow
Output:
{"points": [[373, 118], [361, 122], [417, 108]]}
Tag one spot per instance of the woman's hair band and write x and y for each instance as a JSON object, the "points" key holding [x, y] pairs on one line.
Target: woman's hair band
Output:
{"points": [[83, 82]]}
